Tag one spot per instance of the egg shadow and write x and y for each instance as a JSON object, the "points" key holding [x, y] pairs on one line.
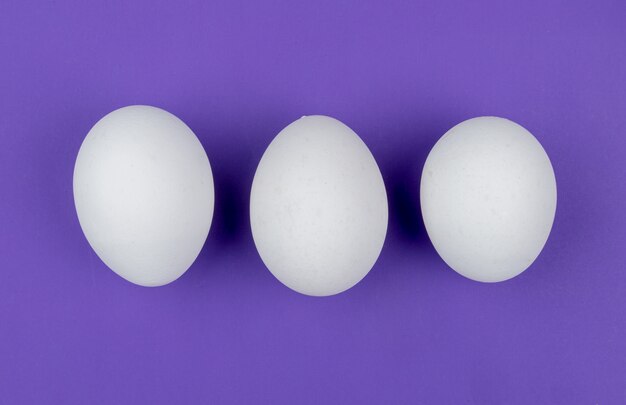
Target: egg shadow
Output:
{"points": [[232, 179], [402, 169], [401, 162], [404, 202], [234, 154], [231, 218]]}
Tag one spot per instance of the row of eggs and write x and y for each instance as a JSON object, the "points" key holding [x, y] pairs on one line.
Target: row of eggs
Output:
{"points": [[144, 195]]}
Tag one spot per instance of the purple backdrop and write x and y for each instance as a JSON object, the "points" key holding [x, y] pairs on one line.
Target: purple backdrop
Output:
{"points": [[400, 74]]}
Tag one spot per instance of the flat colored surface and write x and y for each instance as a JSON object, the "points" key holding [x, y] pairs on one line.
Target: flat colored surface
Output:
{"points": [[400, 74]]}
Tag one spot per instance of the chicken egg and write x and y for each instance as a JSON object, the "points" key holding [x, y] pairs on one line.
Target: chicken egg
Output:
{"points": [[318, 207], [143, 191], [488, 198]]}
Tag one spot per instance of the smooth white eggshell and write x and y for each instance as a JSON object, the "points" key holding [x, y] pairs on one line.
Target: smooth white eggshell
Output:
{"points": [[318, 207], [488, 197], [143, 190]]}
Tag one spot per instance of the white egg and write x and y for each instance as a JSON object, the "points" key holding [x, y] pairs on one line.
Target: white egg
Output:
{"points": [[143, 190], [488, 196], [318, 207]]}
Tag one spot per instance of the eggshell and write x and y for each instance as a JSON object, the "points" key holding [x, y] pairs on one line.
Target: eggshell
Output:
{"points": [[488, 197], [318, 207], [143, 191]]}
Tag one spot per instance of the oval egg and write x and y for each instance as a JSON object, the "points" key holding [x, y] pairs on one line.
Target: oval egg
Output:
{"points": [[488, 198], [318, 207], [144, 196]]}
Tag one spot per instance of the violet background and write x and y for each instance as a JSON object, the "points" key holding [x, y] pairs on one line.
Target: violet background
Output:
{"points": [[400, 74]]}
